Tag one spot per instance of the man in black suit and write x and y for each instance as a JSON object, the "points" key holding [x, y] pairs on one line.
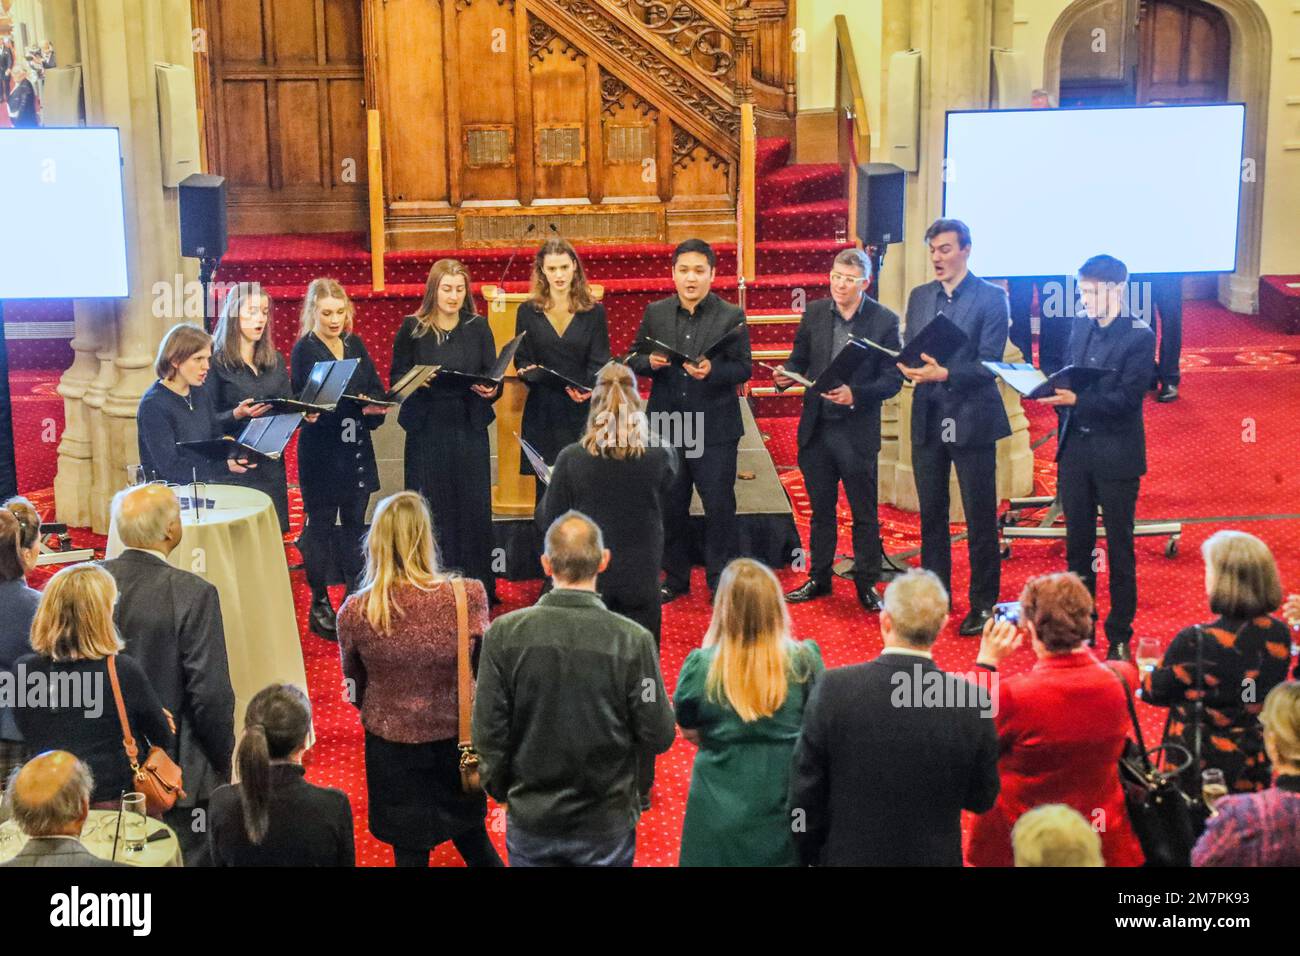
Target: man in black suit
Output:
{"points": [[1101, 445], [1164, 301], [958, 416], [698, 400], [171, 623], [839, 430], [892, 751]]}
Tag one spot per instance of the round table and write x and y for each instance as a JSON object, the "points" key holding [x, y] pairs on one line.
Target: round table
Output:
{"points": [[239, 549], [97, 836]]}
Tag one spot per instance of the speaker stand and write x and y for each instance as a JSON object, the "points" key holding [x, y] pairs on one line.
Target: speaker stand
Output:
{"points": [[207, 269]]}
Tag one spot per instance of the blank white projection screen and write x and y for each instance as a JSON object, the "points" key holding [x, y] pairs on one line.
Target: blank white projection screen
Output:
{"points": [[1043, 190]]}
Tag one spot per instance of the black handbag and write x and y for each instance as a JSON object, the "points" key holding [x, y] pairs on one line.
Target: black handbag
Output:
{"points": [[1162, 816]]}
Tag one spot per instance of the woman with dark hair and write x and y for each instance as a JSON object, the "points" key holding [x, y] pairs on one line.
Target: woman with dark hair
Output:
{"points": [[20, 546], [247, 368], [179, 407], [1244, 653], [448, 455], [567, 333], [272, 816], [1061, 726]]}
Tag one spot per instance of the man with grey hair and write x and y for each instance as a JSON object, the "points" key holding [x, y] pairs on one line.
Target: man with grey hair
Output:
{"points": [[892, 751], [170, 620], [50, 799], [569, 694], [22, 98]]}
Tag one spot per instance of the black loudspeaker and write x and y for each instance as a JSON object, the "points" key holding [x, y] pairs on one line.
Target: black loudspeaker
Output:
{"points": [[203, 216], [880, 203]]}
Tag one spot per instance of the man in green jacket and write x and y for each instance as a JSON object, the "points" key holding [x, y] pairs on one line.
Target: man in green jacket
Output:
{"points": [[568, 694]]}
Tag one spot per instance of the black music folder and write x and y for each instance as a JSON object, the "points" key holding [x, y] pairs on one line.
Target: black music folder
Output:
{"points": [[1031, 383], [323, 390], [496, 374], [540, 373], [263, 439], [939, 340], [678, 357], [540, 467], [402, 389], [838, 373]]}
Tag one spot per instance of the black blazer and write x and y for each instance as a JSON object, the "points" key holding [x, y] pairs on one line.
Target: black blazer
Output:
{"points": [[876, 380], [970, 396], [881, 780], [467, 348], [309, 825], [170, 621], [336, 459], [1111, 408], [675, 391]]}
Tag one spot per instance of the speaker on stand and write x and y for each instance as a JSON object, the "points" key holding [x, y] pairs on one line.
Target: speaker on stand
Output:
{"points": [[203, 230], [881, 211]]}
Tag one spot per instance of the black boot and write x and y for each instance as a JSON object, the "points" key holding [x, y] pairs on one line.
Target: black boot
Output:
{"points": [[320, 619]]}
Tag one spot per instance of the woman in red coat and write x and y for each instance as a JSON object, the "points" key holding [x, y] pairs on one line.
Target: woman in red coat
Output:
{"points": [[1061, 726]]}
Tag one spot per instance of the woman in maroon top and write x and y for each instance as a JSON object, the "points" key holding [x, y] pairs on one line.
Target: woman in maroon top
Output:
{"points": [[397, 638], [1061, 726]]}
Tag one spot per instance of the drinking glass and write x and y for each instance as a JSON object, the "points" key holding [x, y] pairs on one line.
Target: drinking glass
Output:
{"points": [[1148, 653], [135, 475], [1213, 787], [134, 822]]}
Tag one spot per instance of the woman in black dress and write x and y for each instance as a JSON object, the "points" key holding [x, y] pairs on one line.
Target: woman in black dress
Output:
{"points": [[567, 333], [179, 407], [336, 461], [448, 457], [246, 366]]}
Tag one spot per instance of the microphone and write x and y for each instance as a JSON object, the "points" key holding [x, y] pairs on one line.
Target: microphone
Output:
{"points": [[532, 227]]}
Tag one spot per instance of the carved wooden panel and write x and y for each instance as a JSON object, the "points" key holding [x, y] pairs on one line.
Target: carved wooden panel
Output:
{"points": [[557, 72], [489, 144], [484, 60], [413, 102]]}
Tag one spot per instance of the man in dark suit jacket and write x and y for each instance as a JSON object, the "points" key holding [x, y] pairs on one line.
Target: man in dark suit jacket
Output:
{"points": [[892, 751], [50, 796], [699, 401], [1101, 450], [171, 623], [958, 417], [839, 430]]}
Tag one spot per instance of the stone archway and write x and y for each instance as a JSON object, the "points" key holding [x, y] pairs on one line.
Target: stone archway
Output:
{"points": [[1248, 82]]}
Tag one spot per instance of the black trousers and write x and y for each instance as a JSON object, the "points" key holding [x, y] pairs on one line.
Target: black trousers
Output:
{"points": [[977, 480], [1167, 296], [714, 474], [1080, 491], [827, 461], [326, 544], [1054, 330]]}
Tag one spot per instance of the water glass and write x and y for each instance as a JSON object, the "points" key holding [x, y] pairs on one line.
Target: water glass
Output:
{"points": [[1213, 787], [134, 822], [135, 475], [1148, 653]]}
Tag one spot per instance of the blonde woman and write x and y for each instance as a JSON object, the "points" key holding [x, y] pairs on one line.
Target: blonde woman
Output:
{"points": [[336, 460], [74, 639], [740, 699], [448, 456], [397, 640]]}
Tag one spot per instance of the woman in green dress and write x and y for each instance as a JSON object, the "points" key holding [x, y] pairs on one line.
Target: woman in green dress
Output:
{"points": [[740, 699]]}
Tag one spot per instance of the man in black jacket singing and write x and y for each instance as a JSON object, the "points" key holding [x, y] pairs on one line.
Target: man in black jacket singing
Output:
{"points": [[1101, 445], [694, 407], [839, 428]]}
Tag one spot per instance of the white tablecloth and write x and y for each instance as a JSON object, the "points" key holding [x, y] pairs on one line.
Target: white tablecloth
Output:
{"points": [[97, 837]]}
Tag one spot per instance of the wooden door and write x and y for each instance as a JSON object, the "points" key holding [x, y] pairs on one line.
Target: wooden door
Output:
{"points": [[1184, 46]]}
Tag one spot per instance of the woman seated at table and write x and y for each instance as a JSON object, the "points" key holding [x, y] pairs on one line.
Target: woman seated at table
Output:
{"points": [[448, 453], [247, 368], [336, 460], [20, 546], [74, 640], [567, 332], [179, 408], [272, 816]]}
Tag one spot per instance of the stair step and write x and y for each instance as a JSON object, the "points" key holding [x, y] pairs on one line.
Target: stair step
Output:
{"points": [[805, 221], [803, 183]]}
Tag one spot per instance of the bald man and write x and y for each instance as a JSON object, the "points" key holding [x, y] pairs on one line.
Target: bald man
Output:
{"points": [[171, 623], [50, 798]]}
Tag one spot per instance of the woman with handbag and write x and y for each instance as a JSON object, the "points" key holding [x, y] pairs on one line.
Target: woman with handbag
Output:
{"points": [[405, 642], [93, 697], [1214, 677], [1061, 726]]}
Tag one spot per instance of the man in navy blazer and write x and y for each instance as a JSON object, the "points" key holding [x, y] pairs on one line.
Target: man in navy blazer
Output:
{"points": [[839, 429], [1101, 449], [958, 416]]}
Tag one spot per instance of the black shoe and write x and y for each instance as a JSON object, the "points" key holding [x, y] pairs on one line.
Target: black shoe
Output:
{"points": [[321, 619], [669, 594], [810, 589], [869, 599], [1168, 393], [973, 625], [1118, 651]]}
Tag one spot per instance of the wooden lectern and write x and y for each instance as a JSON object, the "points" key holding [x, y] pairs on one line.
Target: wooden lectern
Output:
{"points": [[513, 494]]}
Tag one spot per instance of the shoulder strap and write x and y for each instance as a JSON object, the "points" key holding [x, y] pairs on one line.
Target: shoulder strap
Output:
{"points": [[128, 742], [464, 688], [1132, 713]]}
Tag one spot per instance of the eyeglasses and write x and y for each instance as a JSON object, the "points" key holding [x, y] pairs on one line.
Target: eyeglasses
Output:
{"points": [[841, 277]]}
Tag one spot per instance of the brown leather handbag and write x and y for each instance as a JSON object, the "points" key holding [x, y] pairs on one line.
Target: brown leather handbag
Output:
{"points": [[159, 777], [469, 780]]}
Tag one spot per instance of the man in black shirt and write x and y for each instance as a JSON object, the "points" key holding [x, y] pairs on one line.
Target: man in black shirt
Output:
{"points": [[695, 407], [1101, 445]]}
